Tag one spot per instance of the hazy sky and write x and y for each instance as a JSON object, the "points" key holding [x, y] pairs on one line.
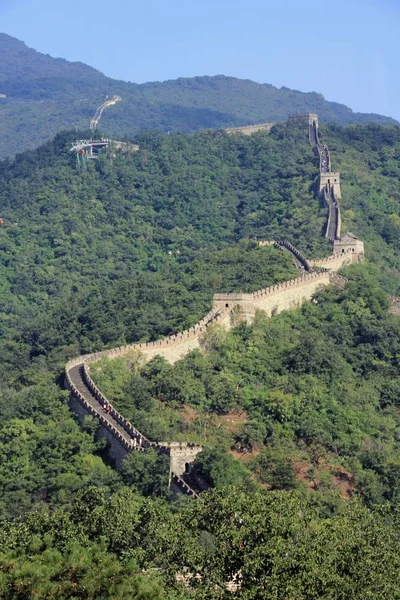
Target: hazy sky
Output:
{"points": [[348, 50]]}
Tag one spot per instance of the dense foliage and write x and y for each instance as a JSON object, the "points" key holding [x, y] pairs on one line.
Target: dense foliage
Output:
{"points": [[273, 544], [45, 94], [319, 387], [133, 249]]}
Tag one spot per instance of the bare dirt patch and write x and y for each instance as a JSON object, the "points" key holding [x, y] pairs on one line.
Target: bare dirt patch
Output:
{"points": [[189, 414], [244, 456], [231, 422], [341, 481]]}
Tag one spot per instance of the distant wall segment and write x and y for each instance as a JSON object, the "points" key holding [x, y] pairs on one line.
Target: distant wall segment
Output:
{"points": [[250, 129], [276, 298]]}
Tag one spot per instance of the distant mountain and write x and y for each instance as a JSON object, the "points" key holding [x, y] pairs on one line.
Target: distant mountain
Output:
{"points": [[45, 94]]}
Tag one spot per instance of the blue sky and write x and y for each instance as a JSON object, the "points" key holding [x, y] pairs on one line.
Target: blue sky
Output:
{"points": [[347, 50]]}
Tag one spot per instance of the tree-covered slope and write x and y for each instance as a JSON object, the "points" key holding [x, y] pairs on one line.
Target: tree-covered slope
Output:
{"points": [[308, 398], [45, 95], [133, 248], [270, 544]]}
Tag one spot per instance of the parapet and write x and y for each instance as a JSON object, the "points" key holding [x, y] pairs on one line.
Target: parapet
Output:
{"points": [[333, 262], [266, 242], [250, 129]]}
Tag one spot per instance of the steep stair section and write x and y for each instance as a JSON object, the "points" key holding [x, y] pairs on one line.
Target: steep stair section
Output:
{"points": [[328, 183], [79, 382], [313, 135], [94, 122], [333, 223], [299, 258], [75, 382], [325, 159]]}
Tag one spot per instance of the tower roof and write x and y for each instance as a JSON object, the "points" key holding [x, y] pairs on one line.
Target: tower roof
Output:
{"points": [[348, 236]]}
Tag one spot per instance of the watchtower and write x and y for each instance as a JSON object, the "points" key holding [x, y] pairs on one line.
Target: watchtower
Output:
{"points": [[349, 244], [313, 118], [333, 181]]}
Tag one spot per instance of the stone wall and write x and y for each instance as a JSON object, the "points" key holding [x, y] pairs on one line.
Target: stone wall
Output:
{"points": [[333, 179], [250, 129], [293, 296], [172, 348], [300, 259], [119, 442], [309, 117], [116, 450], [276, 298], [123, 437], [334, 262], [181, 456], [349, 243]]}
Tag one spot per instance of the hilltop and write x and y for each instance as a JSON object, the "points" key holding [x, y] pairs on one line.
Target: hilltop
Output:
{"points": [[45, 95]]}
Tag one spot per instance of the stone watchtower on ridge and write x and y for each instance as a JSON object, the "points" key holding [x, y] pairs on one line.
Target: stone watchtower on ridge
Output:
{"points": [[332, 180], [349, 244], [313, 119]]}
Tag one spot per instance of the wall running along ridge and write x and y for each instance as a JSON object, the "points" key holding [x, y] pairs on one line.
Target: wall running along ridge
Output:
{"points": [[87, 399], [250, 129]]}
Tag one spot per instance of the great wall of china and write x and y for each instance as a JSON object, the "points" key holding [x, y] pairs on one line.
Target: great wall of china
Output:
{"points": [[123, 437]]}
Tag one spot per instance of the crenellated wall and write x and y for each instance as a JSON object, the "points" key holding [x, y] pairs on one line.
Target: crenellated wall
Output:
{"points": [[300, 259], [250, 129], [87, 399], [276, 298], [336, 261], [329, 182], [123, 437], [172, 348]]}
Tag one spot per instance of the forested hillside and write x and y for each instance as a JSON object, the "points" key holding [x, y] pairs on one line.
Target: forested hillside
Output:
{"points": [[133, 249], [308, 398], [45, 95]]}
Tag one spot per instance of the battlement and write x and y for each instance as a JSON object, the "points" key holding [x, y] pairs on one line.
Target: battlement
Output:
{"points": [[299, 258], [250, 129], [275, 298], [310, 117], [334, 262]]}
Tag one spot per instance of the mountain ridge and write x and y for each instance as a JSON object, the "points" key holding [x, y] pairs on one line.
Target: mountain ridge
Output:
{"points": [[46, 94]]}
